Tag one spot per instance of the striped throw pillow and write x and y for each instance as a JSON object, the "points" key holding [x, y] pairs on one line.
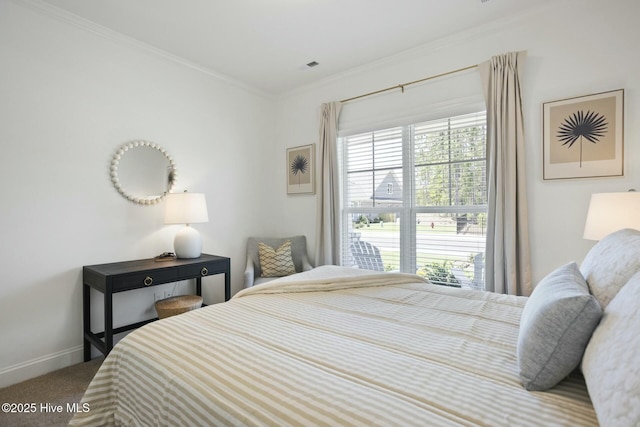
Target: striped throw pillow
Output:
{"points": [[276, 262]]}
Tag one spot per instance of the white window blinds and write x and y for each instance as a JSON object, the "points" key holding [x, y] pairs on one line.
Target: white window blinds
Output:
{"points": [[415, 199]]}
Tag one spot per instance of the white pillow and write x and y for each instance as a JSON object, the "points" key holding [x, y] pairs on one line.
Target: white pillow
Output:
{"points": [[611, 363], [611, 263], [556, 324]]}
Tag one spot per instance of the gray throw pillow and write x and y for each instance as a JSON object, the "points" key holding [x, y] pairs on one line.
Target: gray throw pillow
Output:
{"points": [[556, 325]]}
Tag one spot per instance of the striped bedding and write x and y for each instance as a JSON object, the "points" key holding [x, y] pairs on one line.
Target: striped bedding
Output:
{"points": [[332, 347]]}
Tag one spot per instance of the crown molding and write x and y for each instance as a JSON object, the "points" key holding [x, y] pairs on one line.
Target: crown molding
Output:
{"points": [[446, 42], [132, 43]]}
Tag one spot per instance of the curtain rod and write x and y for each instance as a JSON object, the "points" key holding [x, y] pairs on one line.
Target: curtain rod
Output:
{"points": [[402, 86]]}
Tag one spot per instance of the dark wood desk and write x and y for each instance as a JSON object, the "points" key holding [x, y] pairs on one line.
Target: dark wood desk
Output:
{"points": [[128, 275]]}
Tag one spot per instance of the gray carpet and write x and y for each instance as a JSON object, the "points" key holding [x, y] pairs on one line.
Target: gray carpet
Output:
{"points": [[60, 388]]}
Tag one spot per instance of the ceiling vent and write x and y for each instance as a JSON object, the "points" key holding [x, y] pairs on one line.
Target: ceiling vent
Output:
{"points": [[309, 65]]}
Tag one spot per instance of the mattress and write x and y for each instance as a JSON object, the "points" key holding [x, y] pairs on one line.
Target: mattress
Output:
{"points": [[332, 347]]}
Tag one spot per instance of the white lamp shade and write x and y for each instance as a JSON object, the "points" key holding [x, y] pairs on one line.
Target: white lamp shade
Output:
{"points": [[185, 208], [609, 212]]}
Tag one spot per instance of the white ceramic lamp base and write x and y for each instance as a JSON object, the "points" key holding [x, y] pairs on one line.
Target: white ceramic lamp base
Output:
{"points": [[188, 243]]}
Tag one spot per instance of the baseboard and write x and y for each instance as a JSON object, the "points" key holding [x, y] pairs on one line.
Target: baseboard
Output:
{"points": [[42, 365]]}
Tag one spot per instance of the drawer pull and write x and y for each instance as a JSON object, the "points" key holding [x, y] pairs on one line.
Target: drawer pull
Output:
{"points": [[148, 281], [204, 271]]}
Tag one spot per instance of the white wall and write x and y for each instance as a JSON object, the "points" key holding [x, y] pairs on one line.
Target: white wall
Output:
{"points": [[575, 47], [69, 97]]}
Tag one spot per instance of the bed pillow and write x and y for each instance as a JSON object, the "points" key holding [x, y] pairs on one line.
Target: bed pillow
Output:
{"points": [[611, 263], [276, 262], [556, 324], [610, 365]]}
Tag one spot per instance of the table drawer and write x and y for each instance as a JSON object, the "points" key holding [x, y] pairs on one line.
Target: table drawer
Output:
{"points": [[202, 270], [141, 280]]}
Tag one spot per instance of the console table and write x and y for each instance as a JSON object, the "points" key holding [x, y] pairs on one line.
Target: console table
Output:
{"points": [[128, 275]]}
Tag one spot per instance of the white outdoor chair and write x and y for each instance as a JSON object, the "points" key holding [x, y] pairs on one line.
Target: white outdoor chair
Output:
{"points": [[366, 256]]}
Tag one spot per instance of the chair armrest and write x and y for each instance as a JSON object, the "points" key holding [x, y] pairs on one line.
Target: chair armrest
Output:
{"points": [[249, 274], [306, 265]]}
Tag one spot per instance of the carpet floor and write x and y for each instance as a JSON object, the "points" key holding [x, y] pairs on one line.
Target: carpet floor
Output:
{"points": [[49, 398]]}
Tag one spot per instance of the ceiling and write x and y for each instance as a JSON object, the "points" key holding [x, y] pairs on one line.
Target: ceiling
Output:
{"points": [[266, 43]]}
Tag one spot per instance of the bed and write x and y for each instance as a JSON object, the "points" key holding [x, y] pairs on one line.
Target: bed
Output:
{"points": [[346, 347]]}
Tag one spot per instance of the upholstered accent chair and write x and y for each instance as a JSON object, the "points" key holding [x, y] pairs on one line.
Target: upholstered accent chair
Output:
{"points": [[253, 274]]}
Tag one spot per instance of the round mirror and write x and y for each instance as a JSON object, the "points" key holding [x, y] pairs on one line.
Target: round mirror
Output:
{"points": [[143, 172]]}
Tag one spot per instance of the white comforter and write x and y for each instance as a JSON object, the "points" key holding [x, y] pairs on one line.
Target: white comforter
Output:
{"points": [[334, 347]]}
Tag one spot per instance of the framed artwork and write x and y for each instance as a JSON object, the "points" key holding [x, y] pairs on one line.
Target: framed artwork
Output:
{"points": [[301, 169], [583, 136]]}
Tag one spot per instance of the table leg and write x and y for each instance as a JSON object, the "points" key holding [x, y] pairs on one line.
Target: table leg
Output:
{"points": [[86, 320], [108, 321]]}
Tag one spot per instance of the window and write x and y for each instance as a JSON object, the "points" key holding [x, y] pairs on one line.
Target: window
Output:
{"points": [[415, 199]]}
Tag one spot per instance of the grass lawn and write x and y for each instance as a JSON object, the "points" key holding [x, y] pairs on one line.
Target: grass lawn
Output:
{"points": [[394, 227], [386, 235]]}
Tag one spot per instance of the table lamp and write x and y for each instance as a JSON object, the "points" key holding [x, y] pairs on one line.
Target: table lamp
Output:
{"points": [[186, 208], [609, 212]]}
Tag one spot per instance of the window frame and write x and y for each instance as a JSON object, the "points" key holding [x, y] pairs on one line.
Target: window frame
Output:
{"points": [[409, 210]]}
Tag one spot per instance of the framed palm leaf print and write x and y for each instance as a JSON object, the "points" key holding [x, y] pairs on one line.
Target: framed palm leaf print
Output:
{"points": [[583, 136], [301, 170]]}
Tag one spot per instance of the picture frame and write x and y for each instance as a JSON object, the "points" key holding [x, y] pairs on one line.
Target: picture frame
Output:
{"points": [[301, 169], [583, 137]]}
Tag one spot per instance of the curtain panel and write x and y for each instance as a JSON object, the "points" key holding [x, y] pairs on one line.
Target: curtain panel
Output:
{"points": [[507, 258], [328, 210]]}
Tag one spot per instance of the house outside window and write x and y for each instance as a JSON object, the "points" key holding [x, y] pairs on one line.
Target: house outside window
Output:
{"points": [[415, 199]]}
